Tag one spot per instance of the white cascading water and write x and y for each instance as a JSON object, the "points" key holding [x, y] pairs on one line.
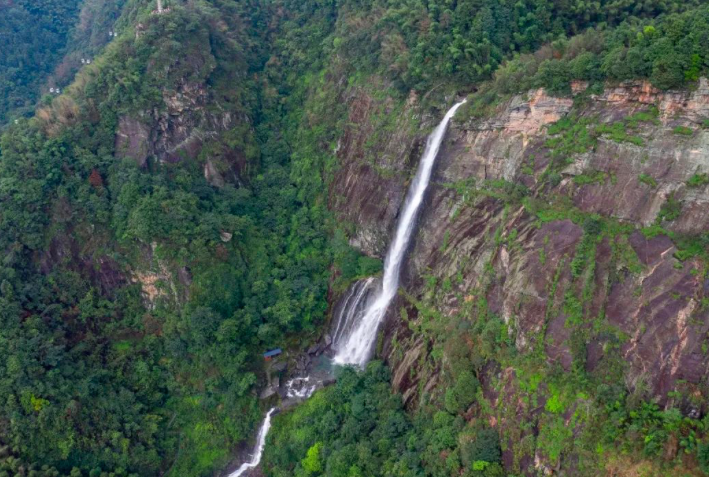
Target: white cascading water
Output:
{"points": [[353, 336], [260, 444], [350, 308], [356, 347]]}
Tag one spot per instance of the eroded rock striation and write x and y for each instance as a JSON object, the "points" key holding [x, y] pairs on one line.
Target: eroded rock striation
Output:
{"points": [[512, 227]]}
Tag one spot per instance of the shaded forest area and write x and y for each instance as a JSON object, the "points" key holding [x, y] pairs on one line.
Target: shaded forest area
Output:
{"points": [[33, 35]]}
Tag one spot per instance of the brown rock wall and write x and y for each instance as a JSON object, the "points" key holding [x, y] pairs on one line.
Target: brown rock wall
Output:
{"points": [[658, 309]]}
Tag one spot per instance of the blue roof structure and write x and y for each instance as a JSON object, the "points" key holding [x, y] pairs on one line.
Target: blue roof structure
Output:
{"points": [[272, 353]]}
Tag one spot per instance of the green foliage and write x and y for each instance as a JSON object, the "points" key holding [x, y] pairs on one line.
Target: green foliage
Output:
{"points": [[555, 437], [97, 380], [586, 249], [467, 42], [698, 180], [35, 34], [595, 177], [355, 424], [670, 210], [648, 116], [683, 131], [312, 463], [462, 393], [351, 264], [572, 136], [618, 132], [653, 427], [691, 246], [668, 50], [358, 424], [703, 457], [484, 447], [648, 180], [117, 384]]}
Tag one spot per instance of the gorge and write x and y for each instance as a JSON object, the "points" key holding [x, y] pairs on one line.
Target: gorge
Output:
{"points": [[363, 308], [236, 201]]}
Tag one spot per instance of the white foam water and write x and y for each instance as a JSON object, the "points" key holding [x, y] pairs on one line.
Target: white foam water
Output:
{"points": [[300, 388], [260, 444], [356, 344]]}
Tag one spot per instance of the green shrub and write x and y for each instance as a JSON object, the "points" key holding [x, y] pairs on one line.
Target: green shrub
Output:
{"points": [[682, 131], [698, 180], [484, 448], [595, 177], [703, 457], [649, 116], [647, 179], [312, 463], [670, 210], [618, 132], [462, 394]]}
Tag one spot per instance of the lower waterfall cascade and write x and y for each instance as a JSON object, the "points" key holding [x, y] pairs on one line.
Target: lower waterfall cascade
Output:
{"points": [[260, 444]]}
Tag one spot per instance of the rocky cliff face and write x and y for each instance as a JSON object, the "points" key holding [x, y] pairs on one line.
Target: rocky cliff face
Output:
{"points": [[179, 131], [193, 119], [377, 152], [511, 227]]}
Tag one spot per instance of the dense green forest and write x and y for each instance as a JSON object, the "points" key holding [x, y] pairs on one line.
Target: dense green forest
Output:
{"points": [[97, 382], [358, 428], [34, 36]]}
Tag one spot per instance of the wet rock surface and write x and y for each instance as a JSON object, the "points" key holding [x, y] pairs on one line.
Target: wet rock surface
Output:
{"points": [[373, 174]]}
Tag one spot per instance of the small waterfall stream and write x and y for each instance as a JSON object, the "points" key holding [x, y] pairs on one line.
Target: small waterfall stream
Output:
{"points": [[260, 444], [360, 312], [359, 324]]}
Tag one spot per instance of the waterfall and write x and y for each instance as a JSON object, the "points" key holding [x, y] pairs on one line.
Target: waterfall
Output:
{"points": [[260, 444], [361, 314], [350, 308]]}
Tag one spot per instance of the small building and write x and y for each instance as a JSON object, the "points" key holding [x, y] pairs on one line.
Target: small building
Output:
{"points": [[269, 355]]}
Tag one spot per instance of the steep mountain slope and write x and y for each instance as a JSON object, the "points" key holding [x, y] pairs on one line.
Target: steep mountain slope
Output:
{"points": [[569, 275], [554, 293], [221, 172], [34, 35], [136, 288]]}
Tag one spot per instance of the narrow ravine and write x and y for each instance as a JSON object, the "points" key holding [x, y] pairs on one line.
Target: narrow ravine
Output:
{"points": [[363, 307]]}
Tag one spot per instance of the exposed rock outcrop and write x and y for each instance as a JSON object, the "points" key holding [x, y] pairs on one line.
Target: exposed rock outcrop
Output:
{"points": [[159, 283], [179, 131], [630, 165], [191, 123], [375, 165]]}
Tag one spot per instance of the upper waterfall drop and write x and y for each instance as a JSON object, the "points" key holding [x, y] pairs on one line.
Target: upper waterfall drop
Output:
{"points": [[356, 347]]}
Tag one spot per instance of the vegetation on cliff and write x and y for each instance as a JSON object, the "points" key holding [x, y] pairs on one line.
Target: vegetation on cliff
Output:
{"points": [[136, 295]]}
